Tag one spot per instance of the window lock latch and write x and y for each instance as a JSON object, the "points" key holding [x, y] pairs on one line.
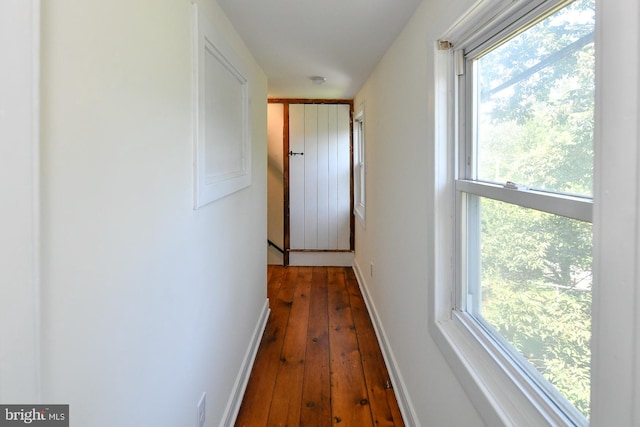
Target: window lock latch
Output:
{"points": [[515, 186]]}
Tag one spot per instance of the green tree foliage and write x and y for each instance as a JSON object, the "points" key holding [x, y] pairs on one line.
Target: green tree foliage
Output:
{"points": [[535, 127], [537, 103], [536, 292]]}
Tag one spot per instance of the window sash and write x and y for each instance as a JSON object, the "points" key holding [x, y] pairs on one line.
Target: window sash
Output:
{"points": [[467, 300], [580, 208], [516, 18]]}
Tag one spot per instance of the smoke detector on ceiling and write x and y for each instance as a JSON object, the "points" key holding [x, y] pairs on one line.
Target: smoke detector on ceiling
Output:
{"points": [[318, 80]]}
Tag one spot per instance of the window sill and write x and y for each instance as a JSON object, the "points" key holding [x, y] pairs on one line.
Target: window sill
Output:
{"points": [[500, 393]]}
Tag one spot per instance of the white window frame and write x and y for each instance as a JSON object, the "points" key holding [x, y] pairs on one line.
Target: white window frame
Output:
{"points": [[498, 388], [359, 166]]}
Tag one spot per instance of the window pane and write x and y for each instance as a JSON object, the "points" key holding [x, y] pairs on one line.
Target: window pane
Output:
{"points": [[535, 274], [535, 105]]}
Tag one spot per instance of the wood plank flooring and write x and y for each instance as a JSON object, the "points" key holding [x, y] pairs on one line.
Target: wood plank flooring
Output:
{"points": [[319, 363]]}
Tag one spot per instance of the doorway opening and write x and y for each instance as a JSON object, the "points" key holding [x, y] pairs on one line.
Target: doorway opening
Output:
{"points": [[310, 182]]}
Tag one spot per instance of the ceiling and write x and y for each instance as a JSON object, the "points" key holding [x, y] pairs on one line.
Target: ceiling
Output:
{"points": [[341, 40]]}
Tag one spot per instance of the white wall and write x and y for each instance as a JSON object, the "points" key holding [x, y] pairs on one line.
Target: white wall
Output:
{"points": [[615, 382], [146, 303], [19, 201], [275, 183], [399, 234], [399, 154]]}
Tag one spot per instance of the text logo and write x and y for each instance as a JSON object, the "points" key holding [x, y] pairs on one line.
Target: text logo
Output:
{"points": [[35, 415]]}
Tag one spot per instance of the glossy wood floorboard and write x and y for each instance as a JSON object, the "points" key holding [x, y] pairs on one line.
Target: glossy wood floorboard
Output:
{"points": [[319, 363]]}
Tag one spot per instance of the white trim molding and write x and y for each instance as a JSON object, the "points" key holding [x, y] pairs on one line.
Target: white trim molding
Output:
{"points": [[360, 164], [321, 258], [399, 387], [222, 138], [240, 386]]}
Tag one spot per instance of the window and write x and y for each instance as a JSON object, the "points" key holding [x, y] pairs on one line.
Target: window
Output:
{"points": [[359, 165], [524, 196]]}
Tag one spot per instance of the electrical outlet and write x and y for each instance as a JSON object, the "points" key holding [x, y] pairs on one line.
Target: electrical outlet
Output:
{"points": [[202, 406]]}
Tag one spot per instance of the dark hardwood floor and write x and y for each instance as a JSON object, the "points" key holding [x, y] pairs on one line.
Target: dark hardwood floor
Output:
{"points": [[319, 363]]}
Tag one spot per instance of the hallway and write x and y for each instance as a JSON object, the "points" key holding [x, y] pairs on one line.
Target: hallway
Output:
{"points": [[319, 362]]}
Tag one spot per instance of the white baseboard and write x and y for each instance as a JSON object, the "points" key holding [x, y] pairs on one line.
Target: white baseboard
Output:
{"points": [[399, 387], [240, 386], [330, 259]]}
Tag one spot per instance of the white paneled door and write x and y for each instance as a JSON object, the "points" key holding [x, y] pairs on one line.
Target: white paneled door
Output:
{"points": [[319, 176]]}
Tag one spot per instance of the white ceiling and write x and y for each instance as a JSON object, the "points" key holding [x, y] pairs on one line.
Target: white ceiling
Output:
{"points": [[341, 40]]}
